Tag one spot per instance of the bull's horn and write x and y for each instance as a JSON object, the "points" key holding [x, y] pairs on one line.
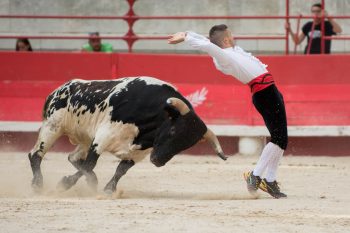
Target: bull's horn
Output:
{"points": [[214, 142], [179, 105]]}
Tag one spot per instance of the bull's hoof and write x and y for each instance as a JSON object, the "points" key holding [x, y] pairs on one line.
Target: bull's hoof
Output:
{"points": [[110, 189], [37, 188], [108, 192], [37, 184], [65, 183], [92, 181]]}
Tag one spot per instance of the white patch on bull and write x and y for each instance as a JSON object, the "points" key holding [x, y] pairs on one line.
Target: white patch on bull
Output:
{"points": [[148, 80], [135, 155], [63, 95], [154, 81], [80, 152], [49, 132], [113, 137]]}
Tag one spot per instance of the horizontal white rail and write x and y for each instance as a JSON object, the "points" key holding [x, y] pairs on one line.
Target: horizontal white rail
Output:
{"points": [[220, 130]]}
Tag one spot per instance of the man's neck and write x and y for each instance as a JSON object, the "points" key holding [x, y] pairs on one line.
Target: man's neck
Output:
{"points": [[317, 22]]}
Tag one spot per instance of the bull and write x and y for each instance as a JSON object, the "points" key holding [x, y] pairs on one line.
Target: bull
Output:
{"points": [[129, 117]]}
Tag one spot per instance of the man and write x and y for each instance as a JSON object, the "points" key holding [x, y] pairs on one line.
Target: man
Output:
{"points": [[95, 44], [330, 28], [233, 60]]}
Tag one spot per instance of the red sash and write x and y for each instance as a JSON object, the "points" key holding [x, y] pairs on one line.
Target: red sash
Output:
{"points": [[261, 82]]}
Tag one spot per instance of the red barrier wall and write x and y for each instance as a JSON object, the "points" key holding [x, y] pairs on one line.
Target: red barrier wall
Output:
{"points": [[315, 88]]}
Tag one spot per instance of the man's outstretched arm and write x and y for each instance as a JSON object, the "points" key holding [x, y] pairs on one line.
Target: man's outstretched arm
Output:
{"points": [[202, 43]]}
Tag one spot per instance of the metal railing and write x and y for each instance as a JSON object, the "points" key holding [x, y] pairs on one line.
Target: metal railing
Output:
{"points": [[130, 17]]}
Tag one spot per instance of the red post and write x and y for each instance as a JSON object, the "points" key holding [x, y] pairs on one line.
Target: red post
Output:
{"points": [[323, 29], [130, 17], [287, 32]]}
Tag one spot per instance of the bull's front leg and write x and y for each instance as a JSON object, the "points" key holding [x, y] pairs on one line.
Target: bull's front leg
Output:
{"points": [[121, 170]]}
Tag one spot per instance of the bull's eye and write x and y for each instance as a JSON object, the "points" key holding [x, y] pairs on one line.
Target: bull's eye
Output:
{"points": [[172, 130]]}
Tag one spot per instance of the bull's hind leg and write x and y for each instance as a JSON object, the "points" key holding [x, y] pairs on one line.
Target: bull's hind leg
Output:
{"points": [[122, 168], [48, 134]]}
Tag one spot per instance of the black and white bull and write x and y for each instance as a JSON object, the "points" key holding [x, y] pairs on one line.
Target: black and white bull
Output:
{"points": [[130, 118]]}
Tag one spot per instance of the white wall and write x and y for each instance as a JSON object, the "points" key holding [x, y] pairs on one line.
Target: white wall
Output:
{"points": [[157, 27]]}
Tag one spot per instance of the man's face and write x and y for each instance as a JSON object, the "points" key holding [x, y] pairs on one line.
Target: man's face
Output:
{"points": [[228, 39], [95, 43], [316, 12]]}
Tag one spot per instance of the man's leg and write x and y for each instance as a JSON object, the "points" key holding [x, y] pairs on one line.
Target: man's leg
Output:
{"points": [[269, 103], [279, 136]]}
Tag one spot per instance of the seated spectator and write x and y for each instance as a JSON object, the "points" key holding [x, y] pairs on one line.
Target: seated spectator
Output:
{"points": [[23, 44], [95, 44]]}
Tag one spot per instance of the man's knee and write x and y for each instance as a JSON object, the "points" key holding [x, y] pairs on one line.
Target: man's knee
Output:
{"points": [[282, 142]]}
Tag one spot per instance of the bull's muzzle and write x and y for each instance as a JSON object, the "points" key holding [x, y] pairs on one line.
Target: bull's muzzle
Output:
{"points": [[156, 161]]}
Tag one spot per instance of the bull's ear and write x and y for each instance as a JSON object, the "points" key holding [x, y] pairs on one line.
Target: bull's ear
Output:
{"points": [[172, 112]]}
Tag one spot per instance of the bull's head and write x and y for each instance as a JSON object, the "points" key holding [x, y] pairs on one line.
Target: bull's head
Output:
{"points": [[183, 130]]}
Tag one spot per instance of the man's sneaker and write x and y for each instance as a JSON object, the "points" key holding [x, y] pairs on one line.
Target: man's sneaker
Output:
{"points": [[271, 188], [253, 182]]}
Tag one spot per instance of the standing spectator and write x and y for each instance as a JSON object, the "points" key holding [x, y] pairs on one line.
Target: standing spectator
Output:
{"points": [[95, 44], [23, 44], [330, 26]]}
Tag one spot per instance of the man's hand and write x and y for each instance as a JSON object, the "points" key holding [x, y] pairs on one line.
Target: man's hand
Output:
{"points": [[176, 38]]}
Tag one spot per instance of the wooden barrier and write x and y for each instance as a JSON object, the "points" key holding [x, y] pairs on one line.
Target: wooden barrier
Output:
{"points": [[315, 88]]}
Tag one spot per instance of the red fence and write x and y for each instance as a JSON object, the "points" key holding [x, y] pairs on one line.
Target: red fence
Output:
{"points": [[130, 17], [315, 88]]}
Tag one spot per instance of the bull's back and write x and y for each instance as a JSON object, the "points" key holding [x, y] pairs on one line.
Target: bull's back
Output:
{"points": [[79, 97], [142, 100]]}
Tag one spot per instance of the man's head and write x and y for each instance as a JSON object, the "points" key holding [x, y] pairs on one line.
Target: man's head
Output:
{"points": [[95, 41], [221, 36], [316, 11]]}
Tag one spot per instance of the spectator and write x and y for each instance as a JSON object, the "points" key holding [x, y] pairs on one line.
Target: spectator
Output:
{"points": [[23, 44], [330, 26], [95, 44]]}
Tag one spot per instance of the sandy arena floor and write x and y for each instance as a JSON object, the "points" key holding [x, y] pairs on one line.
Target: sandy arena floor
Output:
{"points": [[190, 194]]}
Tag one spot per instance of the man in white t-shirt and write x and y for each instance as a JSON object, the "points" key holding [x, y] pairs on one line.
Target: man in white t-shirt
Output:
{"points": [[233, 60]]}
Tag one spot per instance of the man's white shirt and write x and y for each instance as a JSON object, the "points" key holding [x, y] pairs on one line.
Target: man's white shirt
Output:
{"points": [[232, 61]]}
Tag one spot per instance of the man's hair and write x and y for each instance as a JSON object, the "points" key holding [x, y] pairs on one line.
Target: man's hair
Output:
{"points": [[317, 5], [94, 34], [217, 33]]}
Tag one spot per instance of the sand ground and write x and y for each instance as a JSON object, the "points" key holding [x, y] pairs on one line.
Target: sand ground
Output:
{"points": [[189, 194]]}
